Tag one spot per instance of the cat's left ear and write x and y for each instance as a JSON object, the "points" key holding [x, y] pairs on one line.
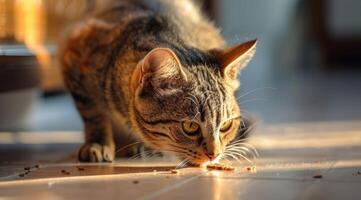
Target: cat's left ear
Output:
{"points": [[160, 69], [235, 58]]}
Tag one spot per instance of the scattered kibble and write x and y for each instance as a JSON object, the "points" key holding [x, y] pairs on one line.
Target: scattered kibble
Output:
{"points": [[317, 176], [220, 167], [251, 169], [37, 166], [65, 172], [174, 171], [21, 175], [358, 173], [27, 168], [135, 182], [80, 168]]}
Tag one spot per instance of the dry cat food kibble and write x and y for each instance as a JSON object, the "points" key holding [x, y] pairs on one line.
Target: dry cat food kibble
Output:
{"points": [[358, 173], [174, 171], [220, 167], [80, 168], [251, 169], [135, 182], [65, 172], [317, 176]]}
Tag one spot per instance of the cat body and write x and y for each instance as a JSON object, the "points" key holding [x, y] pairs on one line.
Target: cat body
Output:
{"points": [[159, 71]]}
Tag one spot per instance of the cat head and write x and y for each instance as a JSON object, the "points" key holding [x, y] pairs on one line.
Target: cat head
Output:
{"points": [[184, 102]]}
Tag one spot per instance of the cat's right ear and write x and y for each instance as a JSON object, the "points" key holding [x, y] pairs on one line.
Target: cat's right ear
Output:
{"points": [[160, 69], [235, 58]]}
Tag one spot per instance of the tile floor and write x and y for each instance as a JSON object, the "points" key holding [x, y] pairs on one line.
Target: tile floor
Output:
{"points": [[297, 161]]}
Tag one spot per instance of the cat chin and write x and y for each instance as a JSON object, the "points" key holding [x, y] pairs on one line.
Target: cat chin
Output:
{"points": [[204, 163]]}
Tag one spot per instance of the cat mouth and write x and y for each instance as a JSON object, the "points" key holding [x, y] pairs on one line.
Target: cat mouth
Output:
{"points": [[202, 164], [191, 162]]}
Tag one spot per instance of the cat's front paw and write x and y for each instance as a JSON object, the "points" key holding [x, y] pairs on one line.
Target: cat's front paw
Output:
{"points": [[94, 152]]}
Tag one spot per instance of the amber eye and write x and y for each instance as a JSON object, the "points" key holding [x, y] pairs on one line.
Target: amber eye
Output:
{"points": [[226, 125], [190, 128]]}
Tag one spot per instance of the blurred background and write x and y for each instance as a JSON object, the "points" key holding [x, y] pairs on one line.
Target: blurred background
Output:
{"points": [[307, 67]]}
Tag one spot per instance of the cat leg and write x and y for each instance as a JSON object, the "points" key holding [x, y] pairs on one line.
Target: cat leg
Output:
{"points": [[99, 142]]}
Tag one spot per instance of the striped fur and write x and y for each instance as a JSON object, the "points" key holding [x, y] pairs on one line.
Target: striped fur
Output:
{"points": [[103, 60]]}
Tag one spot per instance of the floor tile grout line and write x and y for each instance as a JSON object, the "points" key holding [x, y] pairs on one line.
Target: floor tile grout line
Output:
{"points": [[170, 188]]}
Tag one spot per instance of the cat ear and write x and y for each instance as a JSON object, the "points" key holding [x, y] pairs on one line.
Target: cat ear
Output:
{"points": [[235, 58], [160, 69]]}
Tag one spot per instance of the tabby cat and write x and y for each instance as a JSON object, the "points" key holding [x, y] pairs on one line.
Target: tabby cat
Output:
{"points": [[160, 70]]}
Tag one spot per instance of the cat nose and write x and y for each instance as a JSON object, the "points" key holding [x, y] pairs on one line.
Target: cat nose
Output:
{"points": [[212, 156]]}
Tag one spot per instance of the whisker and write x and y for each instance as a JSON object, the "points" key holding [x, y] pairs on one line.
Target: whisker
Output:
{"points": [[236, 150], [241, 144], [241, 155], [182, 163], [172, 150], [235, 157], [146, 154], [252, 100], [140, 154], [244, 132], [240, 140], [243, 124], [185, 164], [224, 157], [127, 146], [254, 90], [245, 149]]}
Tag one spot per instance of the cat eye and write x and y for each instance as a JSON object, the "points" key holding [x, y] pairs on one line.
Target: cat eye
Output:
{"points": [[226, 125], [190, 128]]}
